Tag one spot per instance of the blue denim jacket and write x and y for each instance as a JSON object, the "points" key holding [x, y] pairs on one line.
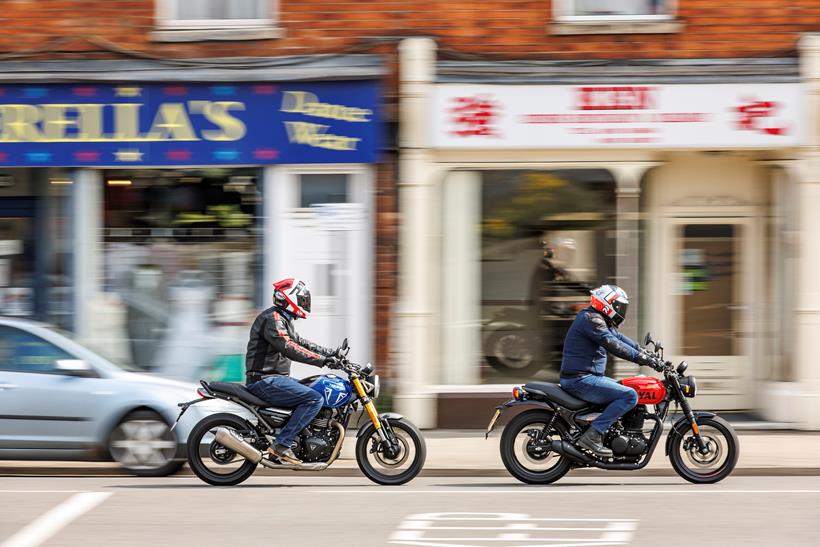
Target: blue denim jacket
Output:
{"points": [[589, 339]]}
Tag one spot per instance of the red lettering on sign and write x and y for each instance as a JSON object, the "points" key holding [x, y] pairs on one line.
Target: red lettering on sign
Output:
{"points": [[616, 98]]}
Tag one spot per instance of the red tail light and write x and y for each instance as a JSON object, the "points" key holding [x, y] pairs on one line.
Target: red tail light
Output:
{"points": [[202, 393], [519, 394]]}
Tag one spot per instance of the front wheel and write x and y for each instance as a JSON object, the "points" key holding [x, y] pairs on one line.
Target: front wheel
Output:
{"points": [[212, 462], [717, 463], [383, 467]]}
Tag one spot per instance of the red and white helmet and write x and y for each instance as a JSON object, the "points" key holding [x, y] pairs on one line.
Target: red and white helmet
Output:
{"points": [[610, 300], [293, 296]]}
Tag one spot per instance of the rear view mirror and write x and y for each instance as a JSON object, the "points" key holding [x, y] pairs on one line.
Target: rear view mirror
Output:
{"points": [[647, 339], [74, 367]]}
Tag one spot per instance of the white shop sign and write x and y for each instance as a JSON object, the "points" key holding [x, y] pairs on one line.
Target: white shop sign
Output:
{"points": [[617, 116]]}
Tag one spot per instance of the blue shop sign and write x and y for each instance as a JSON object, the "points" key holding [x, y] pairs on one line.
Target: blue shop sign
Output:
{"points": [[189, 124]]}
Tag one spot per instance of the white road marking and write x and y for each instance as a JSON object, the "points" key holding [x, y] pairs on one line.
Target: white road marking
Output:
{"points": [[40, 491], [558, 491], [48, 524], [424, 530]]}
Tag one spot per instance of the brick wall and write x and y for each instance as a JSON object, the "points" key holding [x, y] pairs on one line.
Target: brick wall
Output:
{"points": [[503, 28], [498, 29]]}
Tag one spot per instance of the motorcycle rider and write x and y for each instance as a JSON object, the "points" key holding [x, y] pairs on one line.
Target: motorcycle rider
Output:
{"points": [[272, 345], [592, 334]]}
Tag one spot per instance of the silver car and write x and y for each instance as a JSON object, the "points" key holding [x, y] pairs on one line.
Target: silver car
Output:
{"points": [[61, 401]]}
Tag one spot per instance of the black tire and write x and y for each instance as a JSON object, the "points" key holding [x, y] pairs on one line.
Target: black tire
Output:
{"points": [[364, 445], [724, 469], [144, 445], [519, 367], [509, 439], [199, 468]]}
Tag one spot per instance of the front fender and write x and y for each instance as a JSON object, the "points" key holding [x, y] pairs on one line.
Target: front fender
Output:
{"points": [[382, 416], [680, 427]]}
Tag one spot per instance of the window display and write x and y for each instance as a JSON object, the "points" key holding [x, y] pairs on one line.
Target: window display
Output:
{"points": [[545, 239], [182, 260]]}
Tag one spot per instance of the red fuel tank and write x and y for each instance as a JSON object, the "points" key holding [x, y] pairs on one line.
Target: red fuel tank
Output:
{"points": [[651, 391]]}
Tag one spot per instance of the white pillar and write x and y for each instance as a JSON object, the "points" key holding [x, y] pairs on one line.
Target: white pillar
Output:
{"points": [[416, 354], [806, 408], [87, 207], [461, 279]]}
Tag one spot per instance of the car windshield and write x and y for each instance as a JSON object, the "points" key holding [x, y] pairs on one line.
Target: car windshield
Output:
{"points": [[100, 352]]}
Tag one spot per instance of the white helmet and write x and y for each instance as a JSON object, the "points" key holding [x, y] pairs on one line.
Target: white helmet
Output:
{"points": [[611, 301]]}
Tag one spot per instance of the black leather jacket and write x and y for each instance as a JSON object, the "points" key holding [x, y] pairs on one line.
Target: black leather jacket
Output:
{"points": [[273, 343]]}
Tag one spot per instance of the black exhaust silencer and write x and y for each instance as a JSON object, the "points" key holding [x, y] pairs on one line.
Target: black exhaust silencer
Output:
{"points": [[565, 449]]}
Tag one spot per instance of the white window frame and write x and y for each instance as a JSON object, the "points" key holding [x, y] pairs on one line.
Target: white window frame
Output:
{"points": [[563, 12], [164, 14]]}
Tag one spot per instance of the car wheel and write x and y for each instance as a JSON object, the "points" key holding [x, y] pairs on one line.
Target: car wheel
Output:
{"points": [[144, 445]]}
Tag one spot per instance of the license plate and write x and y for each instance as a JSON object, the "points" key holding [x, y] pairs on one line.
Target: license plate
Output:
{"points": [[493, 420]]}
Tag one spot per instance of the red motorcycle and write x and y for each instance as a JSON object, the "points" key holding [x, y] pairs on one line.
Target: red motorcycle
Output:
{"points": [[538, 445]]}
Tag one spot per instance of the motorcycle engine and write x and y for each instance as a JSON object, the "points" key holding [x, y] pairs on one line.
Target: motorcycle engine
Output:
{"points": [[317, 441], [628, 442]]}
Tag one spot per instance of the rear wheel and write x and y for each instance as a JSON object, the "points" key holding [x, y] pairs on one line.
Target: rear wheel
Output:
{"points": [[213, 462], [720, 458], [513, 352], [524, 449]]}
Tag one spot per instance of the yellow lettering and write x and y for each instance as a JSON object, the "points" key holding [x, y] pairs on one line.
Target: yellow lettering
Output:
{"points": [[316, 135], [231, 128], [126, 121], [172, 123], [304, 102], [19, 122], [91, 125]]}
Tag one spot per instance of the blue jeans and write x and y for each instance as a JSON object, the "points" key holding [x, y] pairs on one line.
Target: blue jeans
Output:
{"points": [[601, 390], [286, 392]]}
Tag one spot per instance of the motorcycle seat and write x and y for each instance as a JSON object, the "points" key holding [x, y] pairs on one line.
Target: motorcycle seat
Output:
{"points": [[239, 391], [553, 392]]}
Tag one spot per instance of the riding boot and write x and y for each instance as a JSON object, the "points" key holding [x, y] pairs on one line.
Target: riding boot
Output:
{"points": [[593, 441]]}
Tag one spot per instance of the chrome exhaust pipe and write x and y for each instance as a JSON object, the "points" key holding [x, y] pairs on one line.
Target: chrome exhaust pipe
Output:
{"points": [[232, 442]]}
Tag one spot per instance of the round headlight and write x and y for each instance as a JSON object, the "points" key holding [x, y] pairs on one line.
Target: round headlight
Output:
{"points": [[376, 386]]}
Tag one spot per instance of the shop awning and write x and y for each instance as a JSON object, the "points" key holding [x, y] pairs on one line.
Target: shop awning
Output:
{"points": [[245, 69], [671, 71]]}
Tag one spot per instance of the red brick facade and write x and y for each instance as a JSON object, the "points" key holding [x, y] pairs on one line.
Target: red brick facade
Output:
{"points": [[492, 29]]}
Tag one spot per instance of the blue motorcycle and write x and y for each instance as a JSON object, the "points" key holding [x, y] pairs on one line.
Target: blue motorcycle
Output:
{"points": [[225, 449]]}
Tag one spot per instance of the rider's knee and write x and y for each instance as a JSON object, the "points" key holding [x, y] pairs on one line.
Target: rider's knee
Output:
{"points": [[631, 397], [317, 400]]}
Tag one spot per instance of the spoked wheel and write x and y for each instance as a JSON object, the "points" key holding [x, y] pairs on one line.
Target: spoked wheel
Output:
{"points": [[144, 445], [212, 462], [716, 463], [399, 466], [525, 452]]}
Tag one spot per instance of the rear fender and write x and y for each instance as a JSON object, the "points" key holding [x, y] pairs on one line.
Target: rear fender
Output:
{"points": [[515, 402], [679, 428]]}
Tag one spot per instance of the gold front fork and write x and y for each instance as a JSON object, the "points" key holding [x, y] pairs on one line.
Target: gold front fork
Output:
{"points": [[368, 403]]}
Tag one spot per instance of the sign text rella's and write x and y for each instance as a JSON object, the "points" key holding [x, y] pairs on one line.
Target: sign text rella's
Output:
{"points": [[617, 116], [190, 124]]}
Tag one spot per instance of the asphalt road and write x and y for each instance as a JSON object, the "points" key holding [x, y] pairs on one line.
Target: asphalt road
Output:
{"points": [[434, 511]]}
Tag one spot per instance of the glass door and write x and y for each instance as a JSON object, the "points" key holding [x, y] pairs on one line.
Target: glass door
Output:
{"points": [[712, 323]]}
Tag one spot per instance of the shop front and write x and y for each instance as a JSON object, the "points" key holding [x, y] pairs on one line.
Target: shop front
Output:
{"points": [[676, 188], [183, 201]]}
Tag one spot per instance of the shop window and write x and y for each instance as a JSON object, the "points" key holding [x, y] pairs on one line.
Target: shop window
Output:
{"points": [[537, 241], [182, 267], [604, 10], [323, 188]]}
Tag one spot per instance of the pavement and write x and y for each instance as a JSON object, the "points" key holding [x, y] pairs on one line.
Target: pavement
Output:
{"points": [[433, 511], [467, 453]]}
